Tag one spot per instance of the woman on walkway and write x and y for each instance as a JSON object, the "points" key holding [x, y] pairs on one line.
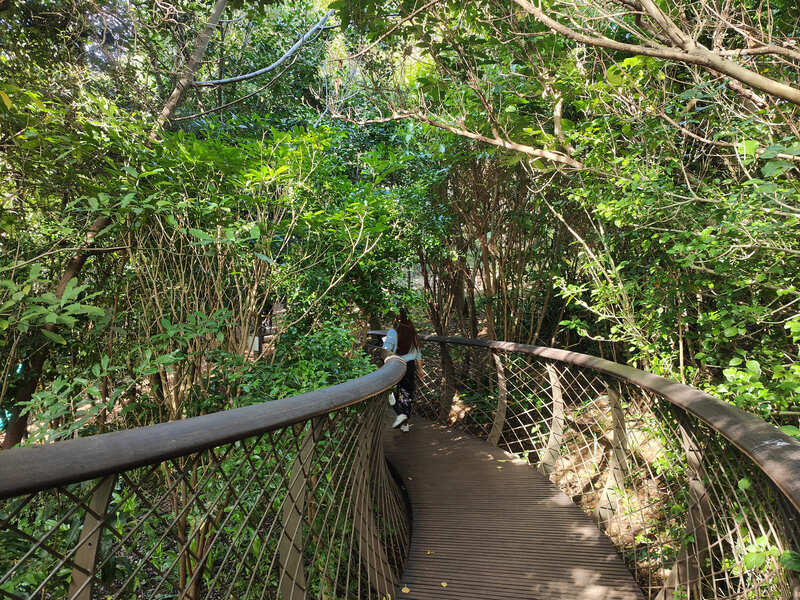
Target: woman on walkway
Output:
{"points": [[402, 339]]}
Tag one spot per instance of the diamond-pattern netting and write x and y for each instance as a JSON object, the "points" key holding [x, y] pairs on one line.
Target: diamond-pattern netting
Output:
{"points": [[304, 511], [693, 517], [312, 510]]}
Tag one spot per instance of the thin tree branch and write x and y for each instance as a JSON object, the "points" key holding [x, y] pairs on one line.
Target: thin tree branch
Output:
{"points": [[288, 54], [688, 52], [699, 138], [84, 250], [551, 155], [761, 51], [232, 102], [392, 30]]}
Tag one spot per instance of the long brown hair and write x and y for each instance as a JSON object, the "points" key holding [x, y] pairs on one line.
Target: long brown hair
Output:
{"points": [[406, 333]]}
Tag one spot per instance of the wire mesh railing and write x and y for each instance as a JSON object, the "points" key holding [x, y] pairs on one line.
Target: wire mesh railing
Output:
{"points": [[290, 499], [293, 498], [700, 499]]}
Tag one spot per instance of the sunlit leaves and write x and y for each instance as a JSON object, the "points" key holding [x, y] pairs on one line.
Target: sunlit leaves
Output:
{"points": [[790, 560]]}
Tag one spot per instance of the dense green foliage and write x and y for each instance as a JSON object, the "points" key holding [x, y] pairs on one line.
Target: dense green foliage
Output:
{"points": [[647, 204], [200, 231], [560, 172], [557, 193]]}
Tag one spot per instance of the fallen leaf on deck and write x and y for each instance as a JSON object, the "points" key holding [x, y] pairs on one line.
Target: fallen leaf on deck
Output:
{"points": [[405, 590]]}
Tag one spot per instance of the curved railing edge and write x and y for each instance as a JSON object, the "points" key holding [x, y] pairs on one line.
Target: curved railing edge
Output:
{"points": [[776, 453], [36, 468]]}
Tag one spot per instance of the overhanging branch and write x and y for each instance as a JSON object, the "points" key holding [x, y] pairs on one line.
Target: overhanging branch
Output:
{"points": [[286, 56], [687, 51], [538, 153]]}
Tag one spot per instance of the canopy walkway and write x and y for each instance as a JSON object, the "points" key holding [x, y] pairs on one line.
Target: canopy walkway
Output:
{"points": [[529, 473], [486, 525]]}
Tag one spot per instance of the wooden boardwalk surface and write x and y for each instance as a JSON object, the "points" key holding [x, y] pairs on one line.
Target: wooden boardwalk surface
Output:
{"points": [[487, 526]]}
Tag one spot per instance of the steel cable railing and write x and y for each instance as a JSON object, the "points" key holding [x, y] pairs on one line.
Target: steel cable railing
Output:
{"points": [[701, 499], [289, 499]]}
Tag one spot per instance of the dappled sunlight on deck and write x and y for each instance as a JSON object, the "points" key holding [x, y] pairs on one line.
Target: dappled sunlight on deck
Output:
{"points": [[487, 525]]}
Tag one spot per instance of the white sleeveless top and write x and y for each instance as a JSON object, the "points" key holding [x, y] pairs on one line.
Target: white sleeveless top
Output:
{"points": [[390, 344]]}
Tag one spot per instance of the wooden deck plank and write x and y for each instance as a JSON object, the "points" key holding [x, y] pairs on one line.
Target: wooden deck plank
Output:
{"points": [[490, 526]]}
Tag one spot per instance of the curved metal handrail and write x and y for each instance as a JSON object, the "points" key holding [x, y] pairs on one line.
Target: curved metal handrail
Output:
{"points": [[39, 468], [700, 498], [775, 453]]}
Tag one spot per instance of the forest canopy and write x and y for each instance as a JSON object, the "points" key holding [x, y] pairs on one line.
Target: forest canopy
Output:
{"points": [[618, 177]]}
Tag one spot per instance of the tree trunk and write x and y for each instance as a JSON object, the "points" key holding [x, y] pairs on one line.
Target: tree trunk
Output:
{"points": [[688, 571], [611, 496], [552, 452], [448, 389], [191, 68], [502, 393]]}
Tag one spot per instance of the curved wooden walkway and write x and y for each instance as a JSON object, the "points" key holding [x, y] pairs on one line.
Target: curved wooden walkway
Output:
{"points": [[488, 526]]}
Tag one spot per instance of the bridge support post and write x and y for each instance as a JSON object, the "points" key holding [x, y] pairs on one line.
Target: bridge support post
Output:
{"points": [[368, 460], [502, 405], [617, 464], [685, 578], [80, 587], [552, 452], [292, 584]]}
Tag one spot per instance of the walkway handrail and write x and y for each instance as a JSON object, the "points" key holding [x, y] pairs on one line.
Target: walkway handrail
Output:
{"points": [[37, 468], [776, 453], [701, 499], [290, 498]]}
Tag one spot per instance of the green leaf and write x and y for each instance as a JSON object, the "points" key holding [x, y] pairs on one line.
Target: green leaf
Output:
{"points": [[614, 76], [70, 291], [730, 331], [744, 484], [201, 235], [68, 321], [36, 270], [794, 329], [54, 336], [776, 167], [790, 560], [84, 309], [753, 366], [773, 150], [265, 258], [6, 100], [754, 560], [791, 430], [747, 148], [49, 298]]}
